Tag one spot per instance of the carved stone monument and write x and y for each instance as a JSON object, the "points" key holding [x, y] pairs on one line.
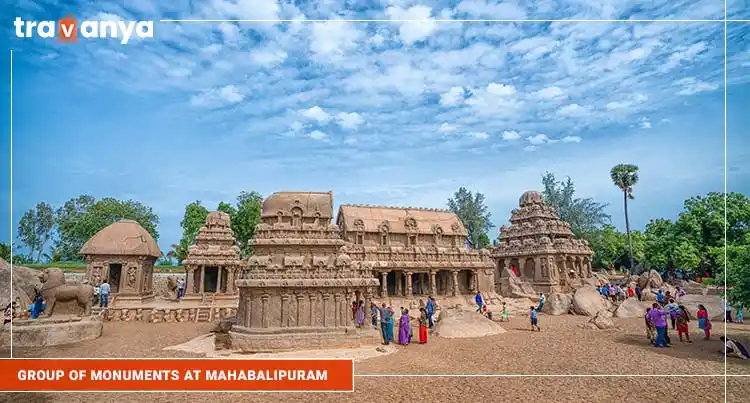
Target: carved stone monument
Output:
{"points": [[213, 262], [297, 287], [541, 248], [124, 254]]}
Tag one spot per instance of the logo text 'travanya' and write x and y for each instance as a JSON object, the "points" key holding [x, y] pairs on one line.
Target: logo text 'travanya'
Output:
{"points": [[68, 29]]}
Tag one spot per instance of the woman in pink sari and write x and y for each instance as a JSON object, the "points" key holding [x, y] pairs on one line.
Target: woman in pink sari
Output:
{"points": [[360, 314], [404, 328]]}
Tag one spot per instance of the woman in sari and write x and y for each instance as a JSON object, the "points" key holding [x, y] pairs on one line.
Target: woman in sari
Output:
{"points": [[404, 329], [703, 322], [422, 326], [650, 329], [734, 348], [360, 314]]}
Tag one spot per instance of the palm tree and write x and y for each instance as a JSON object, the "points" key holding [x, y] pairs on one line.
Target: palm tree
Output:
{"points": [[625, 177]]}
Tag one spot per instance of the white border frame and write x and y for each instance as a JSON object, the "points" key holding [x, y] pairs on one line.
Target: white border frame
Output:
{"points": [[673, 21]]}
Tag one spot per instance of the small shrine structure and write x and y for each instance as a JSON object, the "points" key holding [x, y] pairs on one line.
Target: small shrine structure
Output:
{"points": [[415, 251], [124, 254], [213, 262], [541, 248], [296, 289]]}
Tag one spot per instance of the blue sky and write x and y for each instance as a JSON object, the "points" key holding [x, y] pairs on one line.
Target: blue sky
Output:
{"points": [[382, 113]]}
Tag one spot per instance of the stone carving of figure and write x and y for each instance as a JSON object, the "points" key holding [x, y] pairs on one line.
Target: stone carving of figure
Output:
{"points": [[131, 277]]}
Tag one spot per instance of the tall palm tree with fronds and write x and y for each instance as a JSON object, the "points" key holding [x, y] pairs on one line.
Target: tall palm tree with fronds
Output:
{"points": [[625, 177]]}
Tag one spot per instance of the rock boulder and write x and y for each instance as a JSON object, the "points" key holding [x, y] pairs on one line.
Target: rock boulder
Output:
{"points": [[602, 320], [25, 281], [650, 279], [630, 308], [557, 304], [587, 302]]}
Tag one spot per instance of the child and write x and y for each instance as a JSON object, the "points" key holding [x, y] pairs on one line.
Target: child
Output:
{"points": [[487, 312], [739, 315], [650, 329], [682, 324], [703, 322], [505, 315], [534, 323]]}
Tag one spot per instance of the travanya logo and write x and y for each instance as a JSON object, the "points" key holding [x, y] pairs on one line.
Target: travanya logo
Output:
{"points": [[68, 29]]}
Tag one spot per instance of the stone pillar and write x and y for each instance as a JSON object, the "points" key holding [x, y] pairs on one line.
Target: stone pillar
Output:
{"points": [[337, 310], [230, 281], [433, 283], [474, 281], [384, 284], [368, 301], [219, 272], [203, 279], [189, 280], [399, 283], [455, 282], [326, 298], [284, 309], [299, 309], [537, 268], [409, 291], [264, 311]]}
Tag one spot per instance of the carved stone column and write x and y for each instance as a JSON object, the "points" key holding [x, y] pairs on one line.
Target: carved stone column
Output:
{"points": [[433, 283], [326, 298], [455, 282], [203, 279], [368, 301], [474, 281], [230, 281], [337, 310], [219, 273], [189, 281], [264, 311], [299, 309], [284, 309], [384, 284], [409, 291]]}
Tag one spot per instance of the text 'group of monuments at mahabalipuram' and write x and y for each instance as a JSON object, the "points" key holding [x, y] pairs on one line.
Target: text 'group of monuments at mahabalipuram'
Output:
{"points": [[305, 269]]}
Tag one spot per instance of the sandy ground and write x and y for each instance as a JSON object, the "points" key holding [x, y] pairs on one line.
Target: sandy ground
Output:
{"points": [[560, 348]]}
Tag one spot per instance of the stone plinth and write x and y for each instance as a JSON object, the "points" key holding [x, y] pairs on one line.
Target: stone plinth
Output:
{"points": [[250, 341], [56, 331]]}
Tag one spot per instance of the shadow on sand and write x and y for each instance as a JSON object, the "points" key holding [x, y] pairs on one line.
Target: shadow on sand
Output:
{"points": [[699, 349]]}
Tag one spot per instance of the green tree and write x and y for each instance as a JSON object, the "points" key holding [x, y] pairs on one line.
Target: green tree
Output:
{"points": [[474, 214], [227, 208], [82, 217], [246, 218], [608, 245], [5, 251], [35, 229], [192, 221], [625, 177], [583, 214], [660, 243], [687, 256]]}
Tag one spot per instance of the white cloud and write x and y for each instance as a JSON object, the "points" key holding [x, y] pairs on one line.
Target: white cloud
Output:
{"points": [[448, 128], [269, 56], [691, 85], [644, 123], [334, 40], [571, 139], [316, 113], [549, 93], [511, 135], [491, 9], [453, 96], [214, 97], [686, 54], [573, 110], [480, 135], [412, 32], [496, 99], [317, 135], [538, 139], [349, 120], [530, 148]]}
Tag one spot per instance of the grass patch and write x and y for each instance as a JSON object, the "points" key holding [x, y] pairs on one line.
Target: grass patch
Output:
{"points": [[80, 267]]}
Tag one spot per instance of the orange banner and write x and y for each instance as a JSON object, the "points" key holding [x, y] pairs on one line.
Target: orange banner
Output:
{"points": [[175, 375]]}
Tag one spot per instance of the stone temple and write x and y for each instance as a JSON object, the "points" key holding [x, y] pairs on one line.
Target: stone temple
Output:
{"points": [[541, 248], [296, 289]]}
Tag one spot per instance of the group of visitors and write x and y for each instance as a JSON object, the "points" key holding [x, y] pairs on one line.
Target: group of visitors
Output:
{"points": [[405, 333], [728, 313], [101, 294]]}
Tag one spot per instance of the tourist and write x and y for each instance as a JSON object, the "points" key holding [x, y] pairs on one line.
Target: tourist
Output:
{"points": [[638, 292], [650, 329], [430, 311], [423, 325], [659, 297], [37, 306], [404, 329], [680, 293], [598, 289], [613, 293], [631, 292], [386, 323], [727, 311], [104, 295], [480, 301], [704, 323], [360, 316], [505, 315], [487, 312], [96, 294], [674, 310], [734, 348], [682, 323], [374, 315], [605, 290], [354, 310], [658, 318], [534, 323], [621, 295], [739, 315], [542, 299], [180, 288]]}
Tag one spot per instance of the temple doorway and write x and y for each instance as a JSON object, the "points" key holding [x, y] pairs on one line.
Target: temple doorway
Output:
{"points": [[464, 281], [420, 284], [113, 277], [390, 281], [529, 269], [224, 280], [210, 279]]}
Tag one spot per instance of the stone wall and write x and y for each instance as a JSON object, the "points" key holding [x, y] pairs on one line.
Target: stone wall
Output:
{"points": [[160, 282], [169, 315]]}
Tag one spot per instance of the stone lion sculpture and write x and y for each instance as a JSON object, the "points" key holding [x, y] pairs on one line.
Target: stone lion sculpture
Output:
{"points": [[54, 289]]}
